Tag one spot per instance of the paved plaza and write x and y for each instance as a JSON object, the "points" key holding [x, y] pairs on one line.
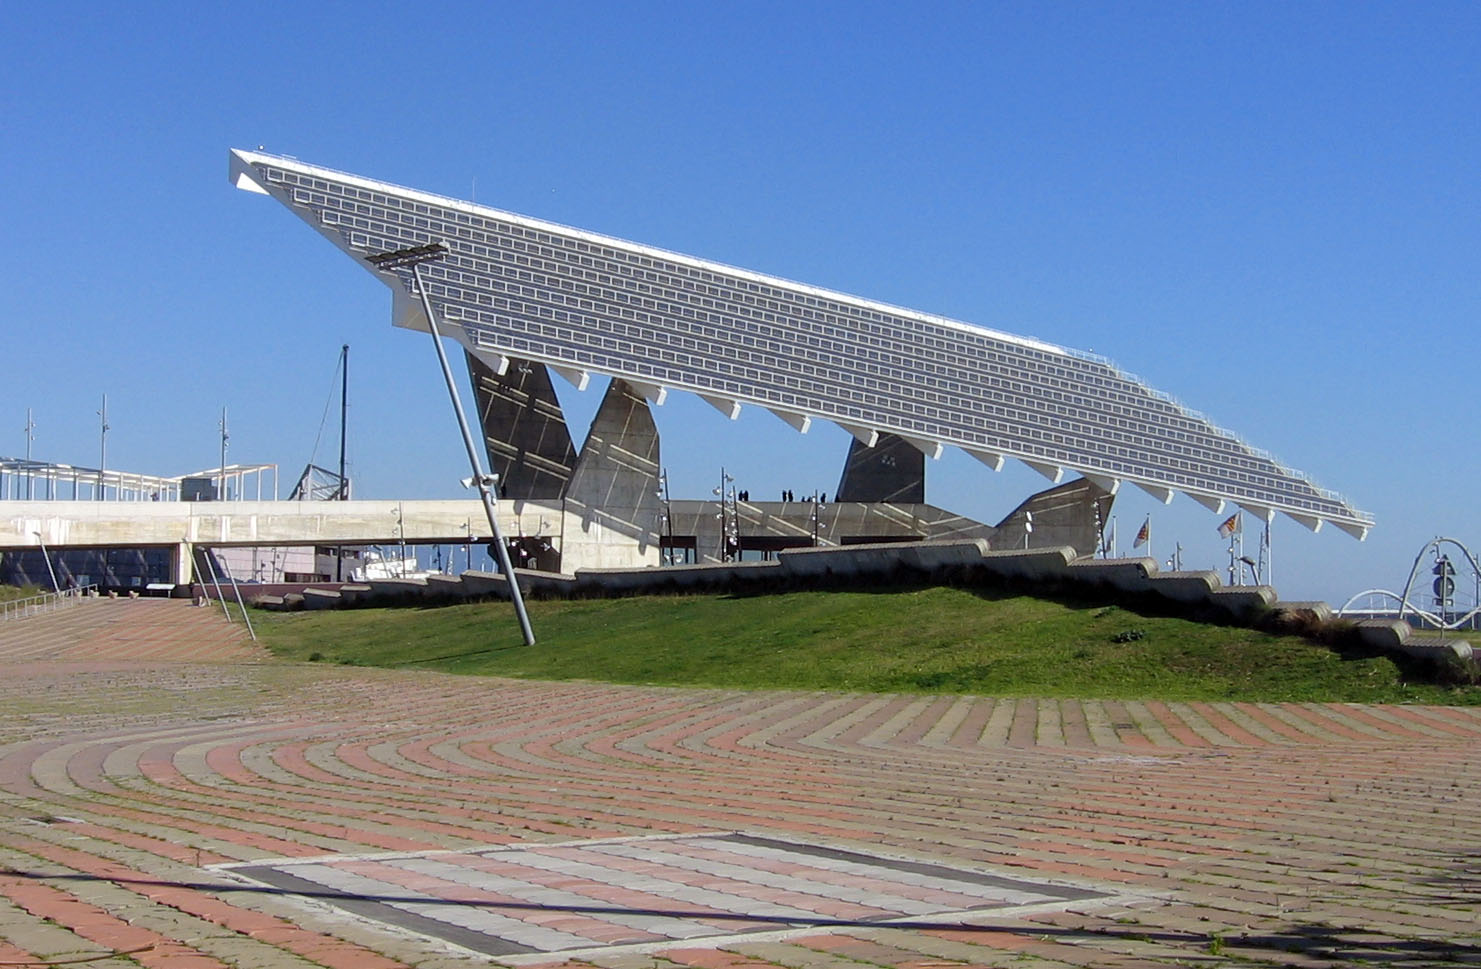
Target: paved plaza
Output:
{"points": [[172, 797]]}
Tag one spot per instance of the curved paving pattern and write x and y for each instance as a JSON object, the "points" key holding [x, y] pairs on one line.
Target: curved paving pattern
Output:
{"points": [[151, 761]]}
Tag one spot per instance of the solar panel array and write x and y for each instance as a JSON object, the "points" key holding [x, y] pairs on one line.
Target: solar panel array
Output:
{"points": [[527, 289]]}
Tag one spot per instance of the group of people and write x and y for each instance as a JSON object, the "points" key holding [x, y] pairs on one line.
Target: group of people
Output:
{"points": [[820, 498]]}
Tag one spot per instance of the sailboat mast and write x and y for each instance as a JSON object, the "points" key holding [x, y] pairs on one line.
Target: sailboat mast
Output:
{"points": [[344, 484]]}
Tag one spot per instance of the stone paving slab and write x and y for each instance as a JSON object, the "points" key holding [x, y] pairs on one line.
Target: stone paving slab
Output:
{"points": [[648, 891], [146, 746]]}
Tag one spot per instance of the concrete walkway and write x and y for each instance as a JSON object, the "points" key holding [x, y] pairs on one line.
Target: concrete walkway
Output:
{"points": [[169, 793]]}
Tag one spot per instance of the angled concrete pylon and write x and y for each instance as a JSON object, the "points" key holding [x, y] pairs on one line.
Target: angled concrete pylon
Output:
{"points": [[612, 504], [1075, 514], [524, 431], [893, 470]]}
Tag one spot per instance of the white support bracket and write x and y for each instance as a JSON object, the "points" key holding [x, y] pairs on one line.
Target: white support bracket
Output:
{"points": [[730, 408], [931, 449], [496, 362], [1266, 515], [654, 394], [576, 378], [407, 312], [1307, 521], [992, 459], [1215, 505], [1162, 493], [1357, 530], [798, 422], [1051, 471], [866, 436], [1111, 485], [244, 177]]}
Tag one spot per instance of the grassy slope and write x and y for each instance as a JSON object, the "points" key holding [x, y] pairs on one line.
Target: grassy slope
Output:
{"points": [[936, 640]]}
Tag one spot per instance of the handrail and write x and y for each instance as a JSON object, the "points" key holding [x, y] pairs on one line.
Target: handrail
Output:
{"points": [[204, 554], [45, 602], [230, 577]]}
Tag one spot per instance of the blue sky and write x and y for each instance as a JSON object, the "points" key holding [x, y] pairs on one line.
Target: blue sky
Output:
{"points": [[1268, 210]]}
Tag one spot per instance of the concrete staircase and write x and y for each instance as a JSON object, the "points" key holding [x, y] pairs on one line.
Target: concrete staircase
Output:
{"points": [[149, 630]]}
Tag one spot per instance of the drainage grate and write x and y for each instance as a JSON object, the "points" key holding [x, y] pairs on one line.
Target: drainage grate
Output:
{"points": [[532, 899]]}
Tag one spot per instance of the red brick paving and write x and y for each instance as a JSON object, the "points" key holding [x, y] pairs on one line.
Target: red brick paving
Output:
{"points": [[1306, 834]]}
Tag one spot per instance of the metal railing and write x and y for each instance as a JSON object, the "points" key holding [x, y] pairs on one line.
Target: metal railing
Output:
{"points": [[206, 556], [43, 603]]}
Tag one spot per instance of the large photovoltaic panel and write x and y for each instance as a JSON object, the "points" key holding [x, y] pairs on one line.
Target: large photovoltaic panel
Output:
{"points": [[513, 287]]}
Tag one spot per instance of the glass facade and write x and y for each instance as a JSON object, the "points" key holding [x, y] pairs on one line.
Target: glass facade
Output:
{"points": [[531, 290], [110, 569]]}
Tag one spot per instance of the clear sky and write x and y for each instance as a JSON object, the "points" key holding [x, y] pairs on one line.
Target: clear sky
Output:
{"points": [[1268, 210]]}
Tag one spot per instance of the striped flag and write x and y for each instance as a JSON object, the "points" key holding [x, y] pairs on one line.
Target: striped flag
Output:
{"points": [[1231, 526], [1144, 535]]}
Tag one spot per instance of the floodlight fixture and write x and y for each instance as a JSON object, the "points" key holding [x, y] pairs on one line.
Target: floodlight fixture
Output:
{"points": [[410, 256]]}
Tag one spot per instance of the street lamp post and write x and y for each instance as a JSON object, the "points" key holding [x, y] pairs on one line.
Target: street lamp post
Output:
{"points": [[667, 518], [225, 436], [102, 445], [30, 474], [729, 517], [412, 258]]}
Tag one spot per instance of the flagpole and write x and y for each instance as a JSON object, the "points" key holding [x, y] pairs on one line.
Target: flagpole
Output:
{"points": [[1144, 537], [1241, 556]]}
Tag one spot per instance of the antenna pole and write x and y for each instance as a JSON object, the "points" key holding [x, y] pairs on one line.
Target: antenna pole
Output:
{"points": [[102, 445], [344, 483], [30, 474], [225, 436]]}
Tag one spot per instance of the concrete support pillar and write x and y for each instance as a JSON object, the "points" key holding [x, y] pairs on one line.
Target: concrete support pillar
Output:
{"points": [[183, 565], [894, 471], [1073, 514], [612, 504], [524, 432]]}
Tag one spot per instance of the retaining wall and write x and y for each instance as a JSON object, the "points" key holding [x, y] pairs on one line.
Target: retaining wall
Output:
{"points": [[1199, 594], [959, 559]]}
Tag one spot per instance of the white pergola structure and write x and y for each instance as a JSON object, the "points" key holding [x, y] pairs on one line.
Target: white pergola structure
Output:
{"points": [[516, 288]]}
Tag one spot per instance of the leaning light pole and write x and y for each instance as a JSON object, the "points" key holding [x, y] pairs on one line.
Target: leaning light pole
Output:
{"points": [[40, 540], [413, 258]]}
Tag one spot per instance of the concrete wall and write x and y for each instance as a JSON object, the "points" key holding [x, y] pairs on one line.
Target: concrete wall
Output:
{"points": [[97, 523], [1054, 569]]}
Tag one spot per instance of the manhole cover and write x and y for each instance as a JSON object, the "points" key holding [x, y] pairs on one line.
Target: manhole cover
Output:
{"points": [[532, 899]]}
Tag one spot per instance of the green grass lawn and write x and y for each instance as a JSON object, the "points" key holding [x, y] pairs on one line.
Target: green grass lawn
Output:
{"points": [[935, 640], [9, 592]]}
